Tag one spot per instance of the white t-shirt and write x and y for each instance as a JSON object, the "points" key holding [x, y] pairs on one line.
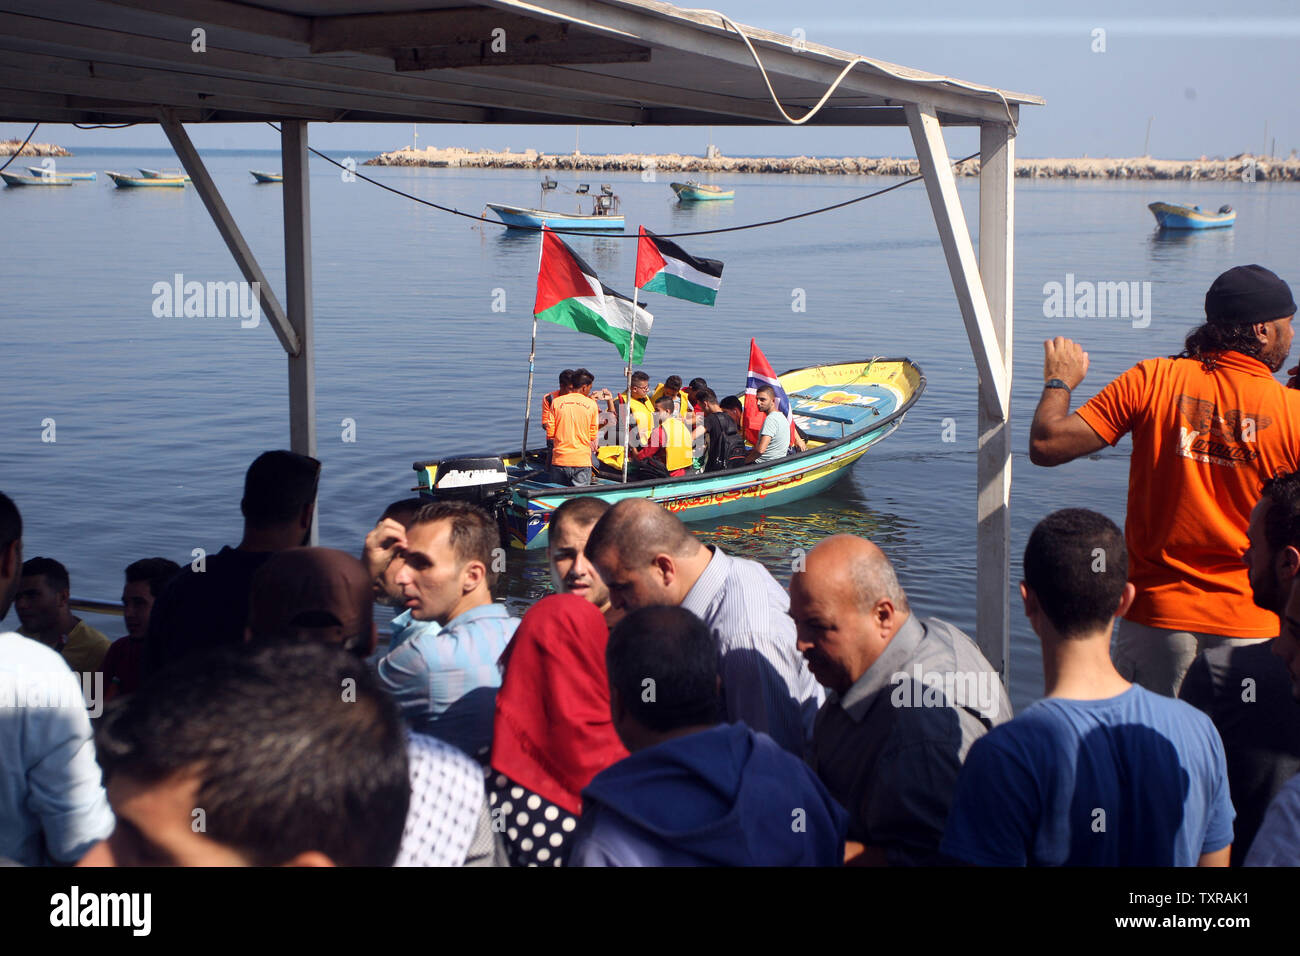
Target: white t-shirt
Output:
{"points": [[776, 427], [1277, 842]]}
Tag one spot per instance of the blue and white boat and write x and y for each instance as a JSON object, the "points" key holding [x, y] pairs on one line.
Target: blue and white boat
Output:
{"points": [[1177, 216], [61, 174], [604, 215]]}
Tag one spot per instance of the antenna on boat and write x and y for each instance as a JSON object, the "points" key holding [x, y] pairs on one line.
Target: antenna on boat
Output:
{"points": [[415, 137]]}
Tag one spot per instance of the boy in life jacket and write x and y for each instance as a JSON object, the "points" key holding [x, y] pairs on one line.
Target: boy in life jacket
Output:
{"points": [[669, 451]]}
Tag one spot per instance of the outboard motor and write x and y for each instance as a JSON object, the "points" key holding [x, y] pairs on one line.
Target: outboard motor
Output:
{"points": [[1225, 209], [479, 480]]}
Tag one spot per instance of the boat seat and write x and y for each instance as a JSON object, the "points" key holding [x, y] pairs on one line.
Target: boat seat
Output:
{"points": [[828, 412]]}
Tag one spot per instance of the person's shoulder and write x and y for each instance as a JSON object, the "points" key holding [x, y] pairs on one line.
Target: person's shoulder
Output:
{"points": [[19, 654], [425, 752], [92, 635]]}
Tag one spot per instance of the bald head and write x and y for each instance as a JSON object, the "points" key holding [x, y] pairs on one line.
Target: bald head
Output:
{"points": [[857, 570], [645, 555], [847, 605], [639, 529]]}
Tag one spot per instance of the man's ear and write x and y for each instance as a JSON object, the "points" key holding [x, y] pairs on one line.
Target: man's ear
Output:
{"points": [[304, 516], [1126, 599], [666, 567], [472, 576], [1289, 560], [1030, 600], [11, 560]]}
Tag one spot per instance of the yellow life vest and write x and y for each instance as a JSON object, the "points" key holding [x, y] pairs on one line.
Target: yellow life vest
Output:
{"points": [[683, 406], [678, 452], [644, 413]]}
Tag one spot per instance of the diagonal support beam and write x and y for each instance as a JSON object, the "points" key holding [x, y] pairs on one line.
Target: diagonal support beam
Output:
{"points": [[941, 185], [225, 224]]}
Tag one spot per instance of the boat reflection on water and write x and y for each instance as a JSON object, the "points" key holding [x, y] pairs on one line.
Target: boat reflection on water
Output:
{"points": [[776, 538]]}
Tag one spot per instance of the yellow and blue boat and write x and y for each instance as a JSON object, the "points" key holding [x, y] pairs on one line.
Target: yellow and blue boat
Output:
{"points": [[841, 410], [262, 177], [700, 192], [1178, 216], [123, 181]]}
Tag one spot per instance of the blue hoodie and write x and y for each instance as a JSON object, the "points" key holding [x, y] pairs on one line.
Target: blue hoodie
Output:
{"points": [[726, 796]]}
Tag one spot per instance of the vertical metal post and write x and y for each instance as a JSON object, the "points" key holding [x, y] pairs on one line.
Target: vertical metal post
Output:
{"points": [[993, 538], [298, 297]]}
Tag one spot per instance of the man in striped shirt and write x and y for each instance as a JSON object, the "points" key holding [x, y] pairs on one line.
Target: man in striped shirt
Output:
{"points": [[646, 557], [445, 681]]}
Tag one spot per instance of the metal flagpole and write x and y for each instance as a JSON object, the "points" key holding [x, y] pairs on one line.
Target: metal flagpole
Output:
{"points": [[631, 352], [532, 355]]}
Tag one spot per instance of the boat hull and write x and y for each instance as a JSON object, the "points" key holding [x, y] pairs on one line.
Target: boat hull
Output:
{"points": [[519, 217], [712, 495], [18, 179], [76, 177], [1174, 216], [267, 177], [689, 193], [123, 181]]}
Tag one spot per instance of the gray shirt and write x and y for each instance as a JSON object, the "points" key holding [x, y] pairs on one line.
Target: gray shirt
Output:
{"points": [[890, 750], [765, 680], [777, 428]]}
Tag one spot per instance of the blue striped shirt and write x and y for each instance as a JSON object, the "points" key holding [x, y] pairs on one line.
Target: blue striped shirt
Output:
{"points": [[445, 681], [765, 680]]}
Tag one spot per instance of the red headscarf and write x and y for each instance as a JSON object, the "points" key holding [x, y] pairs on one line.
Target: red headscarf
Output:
{"points": [[553, 731]]}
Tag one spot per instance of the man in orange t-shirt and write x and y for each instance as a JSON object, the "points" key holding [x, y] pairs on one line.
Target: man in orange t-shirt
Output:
{"points": [[1209, 427], [548, 413], [577, 421]]}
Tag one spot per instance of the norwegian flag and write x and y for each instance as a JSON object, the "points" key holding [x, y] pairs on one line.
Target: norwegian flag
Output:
{"points": [[760, 373]]}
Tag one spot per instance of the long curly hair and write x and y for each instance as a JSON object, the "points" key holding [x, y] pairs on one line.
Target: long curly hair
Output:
{"points": [[1207, 342]]}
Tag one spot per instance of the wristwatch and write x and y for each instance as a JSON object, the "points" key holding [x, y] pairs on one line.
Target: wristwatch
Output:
{"points": [[1056, 383]]}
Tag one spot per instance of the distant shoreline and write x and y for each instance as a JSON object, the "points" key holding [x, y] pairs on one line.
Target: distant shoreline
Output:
{"points": [[10, 146], [1241, 168]]}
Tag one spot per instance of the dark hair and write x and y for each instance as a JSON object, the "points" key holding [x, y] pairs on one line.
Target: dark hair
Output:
{"points": [[583, 509], [278, 485], [731, 401], [582, 378], [698, 383], [640, 376], [768, 389], [11, 522], [673, 381], [55, 574], [157, 571], [1282, 520], [296, 746], [676, 650], [706, 396], [566, 378], [406, 507], [474, 534], [666, 402], [1078, 588], [1207, 342]]}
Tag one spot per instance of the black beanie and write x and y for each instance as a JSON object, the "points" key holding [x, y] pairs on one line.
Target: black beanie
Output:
{"points": [[1245, 295]]}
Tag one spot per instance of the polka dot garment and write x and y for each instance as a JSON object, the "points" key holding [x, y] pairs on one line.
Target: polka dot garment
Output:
{"points": [[537, 832]]}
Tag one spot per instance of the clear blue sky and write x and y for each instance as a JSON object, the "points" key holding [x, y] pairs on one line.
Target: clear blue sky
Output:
{"points": [[1213, 75]]}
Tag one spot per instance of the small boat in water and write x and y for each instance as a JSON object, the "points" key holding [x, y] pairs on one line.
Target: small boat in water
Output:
{"points": [[60, 173], [163, 173], [262, 177], [604, 215], [1178, 216], [18, 179], [841, 409], [699, 192], [122, 181]]}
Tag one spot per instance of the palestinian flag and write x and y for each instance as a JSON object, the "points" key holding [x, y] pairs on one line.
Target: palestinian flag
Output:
{"points": [[666, 268], [569, 293]]}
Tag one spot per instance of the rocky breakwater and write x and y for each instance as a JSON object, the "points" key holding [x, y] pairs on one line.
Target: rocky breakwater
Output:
{"points": [[1243, 167], [10, 146]]}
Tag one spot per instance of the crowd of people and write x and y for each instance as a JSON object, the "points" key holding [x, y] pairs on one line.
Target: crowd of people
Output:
{"points": [[670, 431], [671, 704]]}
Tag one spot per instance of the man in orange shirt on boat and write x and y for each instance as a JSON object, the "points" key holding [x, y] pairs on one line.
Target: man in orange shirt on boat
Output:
{"points": [[1209, 426], [577, 423], [548, 410]]}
